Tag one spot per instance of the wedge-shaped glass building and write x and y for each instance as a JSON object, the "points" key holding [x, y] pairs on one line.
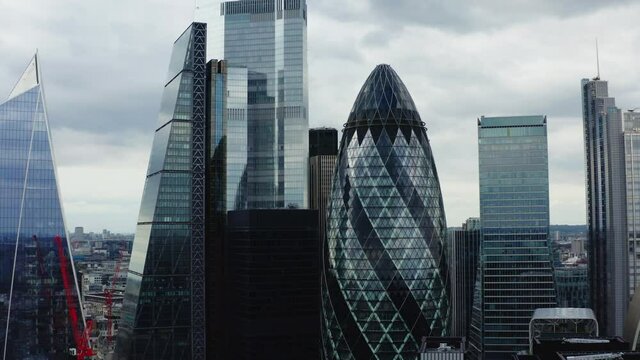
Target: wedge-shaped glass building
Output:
{"points": [[34, 297], [164, 303], [384, 282]]}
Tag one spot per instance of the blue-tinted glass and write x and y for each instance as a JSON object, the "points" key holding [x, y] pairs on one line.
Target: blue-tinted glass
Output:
{"points": [[34, 323]]}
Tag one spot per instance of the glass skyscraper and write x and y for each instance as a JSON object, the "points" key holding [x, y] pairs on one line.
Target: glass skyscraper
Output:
{"points": [[385, 281], [164, 303], [37, 277], [463, 247], [226, 183], [269, 38], [632, 190], [516, 260], [606, 213], [323, 152]]}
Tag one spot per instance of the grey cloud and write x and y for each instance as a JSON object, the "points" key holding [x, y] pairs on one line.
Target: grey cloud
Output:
{"points": [[468, 16]]}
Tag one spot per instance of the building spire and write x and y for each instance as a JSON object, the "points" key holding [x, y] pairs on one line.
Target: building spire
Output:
{"points": [[597, 60], [29, 79]]}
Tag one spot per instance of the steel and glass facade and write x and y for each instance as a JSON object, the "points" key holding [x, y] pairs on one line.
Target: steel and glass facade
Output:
{"points": [[572, 287], [33, 303], [516, 259], [632, 190], [323, 152], [606, 212], [385, 280], [463, 248], [226, 183], [269, 38], [164, 303]]}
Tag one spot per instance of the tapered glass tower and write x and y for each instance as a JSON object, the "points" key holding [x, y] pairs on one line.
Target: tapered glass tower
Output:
{"points": [[164, 303], [384, 282], [34, 297]]}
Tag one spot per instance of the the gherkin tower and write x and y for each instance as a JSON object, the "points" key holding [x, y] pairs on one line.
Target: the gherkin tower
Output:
{"points": [[385, 280]]}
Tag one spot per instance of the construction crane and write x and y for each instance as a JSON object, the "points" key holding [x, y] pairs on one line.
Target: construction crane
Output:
{"points": [[108, 294], [82, 349]]}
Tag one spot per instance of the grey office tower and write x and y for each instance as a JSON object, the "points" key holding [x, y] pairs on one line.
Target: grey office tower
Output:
{"points": [[606, 212]]}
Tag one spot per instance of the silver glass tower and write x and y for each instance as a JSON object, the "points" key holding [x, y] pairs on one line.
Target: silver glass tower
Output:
{"points": [[269, 37], [606, 217], [516, 262], [632, 175]]}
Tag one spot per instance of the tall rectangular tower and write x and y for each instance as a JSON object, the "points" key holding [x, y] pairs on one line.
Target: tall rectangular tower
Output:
{"points": [[226, 183], [606, 213], [516, 266], [632, 176], [269, 37], [323, 152], [164, 302], [463, 252]]}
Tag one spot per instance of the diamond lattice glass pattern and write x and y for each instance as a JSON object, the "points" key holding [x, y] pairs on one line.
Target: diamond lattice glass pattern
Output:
{"points": [[385, 276]]}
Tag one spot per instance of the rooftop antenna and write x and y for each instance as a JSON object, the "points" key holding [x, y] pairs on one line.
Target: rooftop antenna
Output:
{"points": [[597, 60]]}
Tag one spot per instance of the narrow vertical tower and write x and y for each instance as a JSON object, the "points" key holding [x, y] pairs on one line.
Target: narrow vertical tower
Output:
{"points": [[384, 283], [164, 304], [33, 304], [606, 206]]}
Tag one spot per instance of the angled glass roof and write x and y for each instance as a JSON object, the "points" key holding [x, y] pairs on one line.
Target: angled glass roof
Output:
{"points": [[29, 79]]}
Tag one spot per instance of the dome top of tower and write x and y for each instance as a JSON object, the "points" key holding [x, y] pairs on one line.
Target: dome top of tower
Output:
{"points": [[384, 100]]}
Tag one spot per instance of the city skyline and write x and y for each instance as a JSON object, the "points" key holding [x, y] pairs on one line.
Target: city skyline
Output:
{"points": [[447, 79]]}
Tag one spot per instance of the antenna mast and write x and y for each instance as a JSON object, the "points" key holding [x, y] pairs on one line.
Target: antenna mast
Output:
{"points": [[597, 60]]}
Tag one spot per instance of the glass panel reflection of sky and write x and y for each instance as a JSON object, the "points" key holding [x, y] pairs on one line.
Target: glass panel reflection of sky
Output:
{"points": [[33, 308]]}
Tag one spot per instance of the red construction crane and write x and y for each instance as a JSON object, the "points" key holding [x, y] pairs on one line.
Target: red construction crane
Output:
{"points": [[108, 294], [81, 338]]}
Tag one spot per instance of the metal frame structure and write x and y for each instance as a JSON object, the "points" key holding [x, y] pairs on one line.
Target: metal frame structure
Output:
{"points": [[547, 319]]}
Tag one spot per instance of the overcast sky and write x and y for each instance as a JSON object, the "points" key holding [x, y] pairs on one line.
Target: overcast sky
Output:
{"points": [[104, 65]]}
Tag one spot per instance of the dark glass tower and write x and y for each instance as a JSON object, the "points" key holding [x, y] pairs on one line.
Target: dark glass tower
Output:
{"points": [[33, 294], [323, 152], [164, 304], [464, 251], [385, 281], [272, 288]]}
